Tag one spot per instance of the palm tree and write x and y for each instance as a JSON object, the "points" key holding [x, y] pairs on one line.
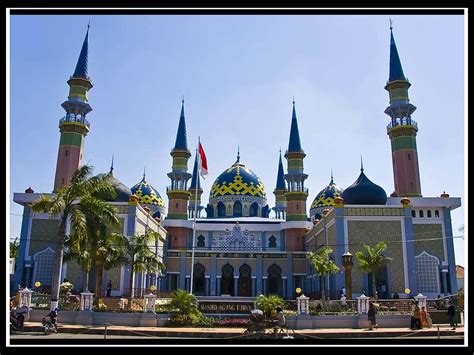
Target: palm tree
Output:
{"points": [[14, 248], [323, 266], [140, 256], [372, 260], [74, 203]]}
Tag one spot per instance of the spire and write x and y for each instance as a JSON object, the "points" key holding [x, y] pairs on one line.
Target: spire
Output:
{"points": [[332, 178], [195, 179], [361, 165], [181, 140], [295, 144], [280, 185], [396, 71], [112, 164], [81, 67], [143, 173], [238, 155]]}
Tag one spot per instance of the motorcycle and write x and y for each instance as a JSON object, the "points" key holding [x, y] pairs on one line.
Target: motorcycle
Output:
{"points": [[49, 322]]}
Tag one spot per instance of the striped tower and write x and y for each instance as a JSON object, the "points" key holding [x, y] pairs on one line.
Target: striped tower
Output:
{"points": [[74, 126], [279, 192], [178, 193], [402, 129], [195, 182], [296, 194]]}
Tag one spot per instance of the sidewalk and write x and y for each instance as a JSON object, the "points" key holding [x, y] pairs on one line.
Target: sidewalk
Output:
{"points": [[444, 330]]}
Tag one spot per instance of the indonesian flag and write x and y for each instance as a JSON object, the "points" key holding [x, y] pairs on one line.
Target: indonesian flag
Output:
{"points": [[202, 162]]}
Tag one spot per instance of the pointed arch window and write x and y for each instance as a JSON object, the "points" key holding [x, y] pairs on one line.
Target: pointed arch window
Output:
{"points": [[201, 241], [272, 242]]}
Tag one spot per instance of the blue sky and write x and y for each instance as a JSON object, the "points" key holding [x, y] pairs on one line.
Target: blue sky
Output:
{"points": [[238, 75]]}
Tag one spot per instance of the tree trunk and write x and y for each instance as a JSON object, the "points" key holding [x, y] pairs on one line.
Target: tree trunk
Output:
{"points": [[58, 263], [323, 291], [85, 280], [98, 280], [131, 279], [374, 286]]}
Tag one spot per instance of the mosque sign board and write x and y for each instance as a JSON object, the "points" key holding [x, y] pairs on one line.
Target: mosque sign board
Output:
{"points": [[226, 307]]}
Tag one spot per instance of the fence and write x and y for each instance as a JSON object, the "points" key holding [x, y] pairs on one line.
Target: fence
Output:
{"points": [[140, 292]]}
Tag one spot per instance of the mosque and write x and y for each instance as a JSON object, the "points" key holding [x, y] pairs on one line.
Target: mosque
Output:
{"points": [[244, 247]]}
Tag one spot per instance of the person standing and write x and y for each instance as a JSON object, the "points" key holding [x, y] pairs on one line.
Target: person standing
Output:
{"points": [[109, 288], [424, 318], [396, 296], [371, 316], [451, 314], [415, 317]]}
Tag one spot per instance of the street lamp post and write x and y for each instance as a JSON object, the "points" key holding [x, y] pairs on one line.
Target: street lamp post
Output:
{"points": [[347, 263]]}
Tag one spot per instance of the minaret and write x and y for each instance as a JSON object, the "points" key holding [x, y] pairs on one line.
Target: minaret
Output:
{"points": [[280, 189], [195, 181], [178, 194], [402, 129], [296, 194], [74, 126]]}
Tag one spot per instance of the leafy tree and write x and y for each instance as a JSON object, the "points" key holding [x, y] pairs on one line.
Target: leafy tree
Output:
{"points": [[373, 260], [14, 248], [323, 266], [268, 304], [75, 203]]}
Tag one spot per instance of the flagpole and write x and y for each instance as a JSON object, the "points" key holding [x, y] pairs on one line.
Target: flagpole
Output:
{"points": [[194, 224]]}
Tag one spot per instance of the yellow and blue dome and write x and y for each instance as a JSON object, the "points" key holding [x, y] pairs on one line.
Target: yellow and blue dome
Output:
{"points": [[324, 199], [238, 180], [147, 194]]}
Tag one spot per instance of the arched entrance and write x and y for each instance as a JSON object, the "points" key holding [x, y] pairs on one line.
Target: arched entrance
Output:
{"points": [[275, 282], [227, 280], [245, 281], [199, 280]]}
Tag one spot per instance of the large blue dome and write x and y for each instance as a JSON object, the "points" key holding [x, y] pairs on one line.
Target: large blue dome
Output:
{"points": [[237, 180], [364, 192], [147, 194]]}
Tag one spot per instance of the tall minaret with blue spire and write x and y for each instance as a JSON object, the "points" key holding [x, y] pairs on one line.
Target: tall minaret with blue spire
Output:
{"points": [[74, 126], [402, 129], [279, 192], [195, 183], [178, 194], [296, 194]]}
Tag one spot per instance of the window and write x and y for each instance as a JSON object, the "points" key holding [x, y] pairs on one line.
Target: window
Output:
{"points": [[201, 241], [43, 264], [428, 214], [427, 273], [177, 205], [413, 213], [436, 213], [62, 181], [67, 151], [220, 210], [272, 242], [409, 157], [420, 212]]}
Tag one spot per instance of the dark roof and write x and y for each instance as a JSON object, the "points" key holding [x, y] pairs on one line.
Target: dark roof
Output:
{"points": [[295, 144], [396, 71], [195, 176], [364, 192], [81, 67], [181, 140], [280, 185], [123, 191]]}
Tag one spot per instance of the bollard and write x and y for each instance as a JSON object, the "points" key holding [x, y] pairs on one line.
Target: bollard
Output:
{"points": [[105, 331], [438, 332]]}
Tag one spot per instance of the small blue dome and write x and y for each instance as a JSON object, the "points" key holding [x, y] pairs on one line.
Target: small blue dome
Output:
{"points": [[324, 199], [147, 194], [364, 192]]}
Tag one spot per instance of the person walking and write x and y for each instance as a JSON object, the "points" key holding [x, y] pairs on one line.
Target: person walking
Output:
{"points": [[371, 316], [415, 317], [451, 314]]}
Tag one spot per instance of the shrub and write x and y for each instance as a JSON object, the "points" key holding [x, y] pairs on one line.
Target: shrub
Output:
{"points": [[268, 305], [183, 307]]}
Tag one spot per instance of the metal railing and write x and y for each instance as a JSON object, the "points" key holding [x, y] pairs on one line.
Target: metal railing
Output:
{"points": [[405, 121], [81, 119]]}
